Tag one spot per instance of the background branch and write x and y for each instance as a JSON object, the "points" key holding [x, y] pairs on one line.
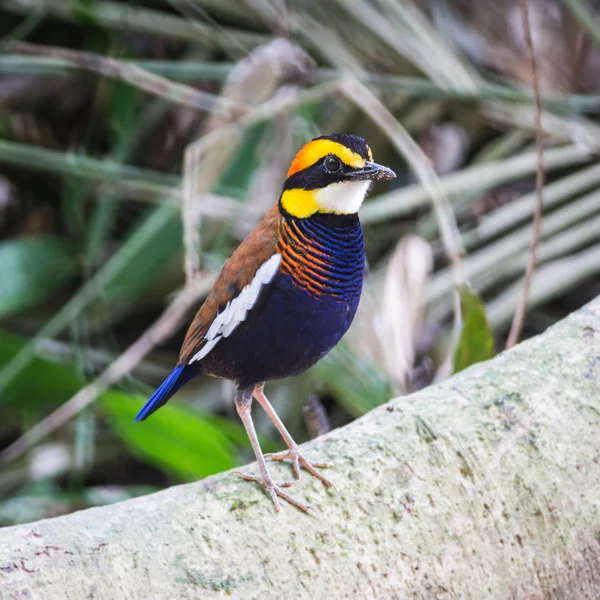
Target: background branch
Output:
{"points": [[519, 318]]}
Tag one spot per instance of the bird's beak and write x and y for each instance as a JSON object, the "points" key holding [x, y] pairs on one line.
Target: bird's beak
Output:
{"points": [[372, 171]]}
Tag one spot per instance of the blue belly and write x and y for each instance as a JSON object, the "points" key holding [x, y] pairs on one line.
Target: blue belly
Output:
{"points": [[285, 334]]}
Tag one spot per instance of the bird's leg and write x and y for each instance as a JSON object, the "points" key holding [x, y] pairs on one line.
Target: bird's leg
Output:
{"points": [[293, 451], [243, 404]]}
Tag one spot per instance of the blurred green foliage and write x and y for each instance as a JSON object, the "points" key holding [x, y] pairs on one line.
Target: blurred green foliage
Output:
{"points": [[187, 443], [41, 386]]}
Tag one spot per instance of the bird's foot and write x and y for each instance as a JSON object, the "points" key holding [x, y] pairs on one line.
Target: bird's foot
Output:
{"points": [[297, 458], [274, 490]]}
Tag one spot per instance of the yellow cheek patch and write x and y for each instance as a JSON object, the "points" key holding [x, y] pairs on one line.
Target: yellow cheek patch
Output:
{"points": [[317, 149], [299, 203]]}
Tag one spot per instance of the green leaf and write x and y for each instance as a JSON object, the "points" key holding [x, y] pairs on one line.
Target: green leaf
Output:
{"points": [[176, 439], [476, 342], [41, 384], [32, 269]]}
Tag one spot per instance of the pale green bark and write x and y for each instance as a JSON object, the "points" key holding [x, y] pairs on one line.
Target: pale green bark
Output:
{"points": [[486, 486]]}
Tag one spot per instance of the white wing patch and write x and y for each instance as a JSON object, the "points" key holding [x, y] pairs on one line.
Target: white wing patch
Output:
{"points": [[236, 310]]}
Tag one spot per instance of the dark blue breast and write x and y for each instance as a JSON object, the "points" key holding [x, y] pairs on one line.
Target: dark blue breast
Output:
{"points": [[306, 309]]}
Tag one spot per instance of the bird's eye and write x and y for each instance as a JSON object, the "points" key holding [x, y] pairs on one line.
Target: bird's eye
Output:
{"points": [[332, 164]]}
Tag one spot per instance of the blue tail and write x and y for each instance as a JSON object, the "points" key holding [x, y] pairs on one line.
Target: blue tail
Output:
{"points": [[167, 388]]}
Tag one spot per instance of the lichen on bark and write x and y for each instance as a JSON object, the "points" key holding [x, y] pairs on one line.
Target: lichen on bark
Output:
{"points": [[484, 486]]}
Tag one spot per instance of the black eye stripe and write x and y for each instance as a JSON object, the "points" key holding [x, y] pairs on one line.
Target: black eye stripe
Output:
{"points": [[316, 176]]}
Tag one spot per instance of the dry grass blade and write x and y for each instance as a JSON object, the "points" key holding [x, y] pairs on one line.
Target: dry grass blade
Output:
{"points": [[254, 79], [122, 16], [550, 281], [435, 48], [79, 165], [276, 151], [408, 86], [508, 216], [489, 265], [478, 178], [197, 170], [584, 13], [519, 319], [330, 45], [444, 68], [402, 302], [136, 76], [215, 206], [576, 129]]}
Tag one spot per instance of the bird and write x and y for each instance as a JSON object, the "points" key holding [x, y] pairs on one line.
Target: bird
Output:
{"points": [[287, 294]]}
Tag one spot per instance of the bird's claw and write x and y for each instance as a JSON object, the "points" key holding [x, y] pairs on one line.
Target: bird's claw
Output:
{"points": [[259, 479], [274, 490], [297, 458]]}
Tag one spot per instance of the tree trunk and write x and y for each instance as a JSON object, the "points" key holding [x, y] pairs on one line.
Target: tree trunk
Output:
{"points": [[485, 486]]}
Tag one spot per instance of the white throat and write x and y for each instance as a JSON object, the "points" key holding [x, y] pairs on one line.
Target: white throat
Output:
{"points": [[343, 198]]}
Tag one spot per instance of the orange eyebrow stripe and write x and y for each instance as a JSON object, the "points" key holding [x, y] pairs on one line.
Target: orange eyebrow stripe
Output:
{"points": [[317, 149]]}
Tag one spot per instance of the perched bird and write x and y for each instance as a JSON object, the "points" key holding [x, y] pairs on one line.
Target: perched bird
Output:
{"points": [[288, 293]]}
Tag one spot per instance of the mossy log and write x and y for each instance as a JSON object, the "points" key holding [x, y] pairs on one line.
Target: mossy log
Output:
{"points": [[484, 486]]}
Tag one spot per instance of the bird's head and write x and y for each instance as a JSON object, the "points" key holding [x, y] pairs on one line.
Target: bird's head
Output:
{"points": [[331, 174]]}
